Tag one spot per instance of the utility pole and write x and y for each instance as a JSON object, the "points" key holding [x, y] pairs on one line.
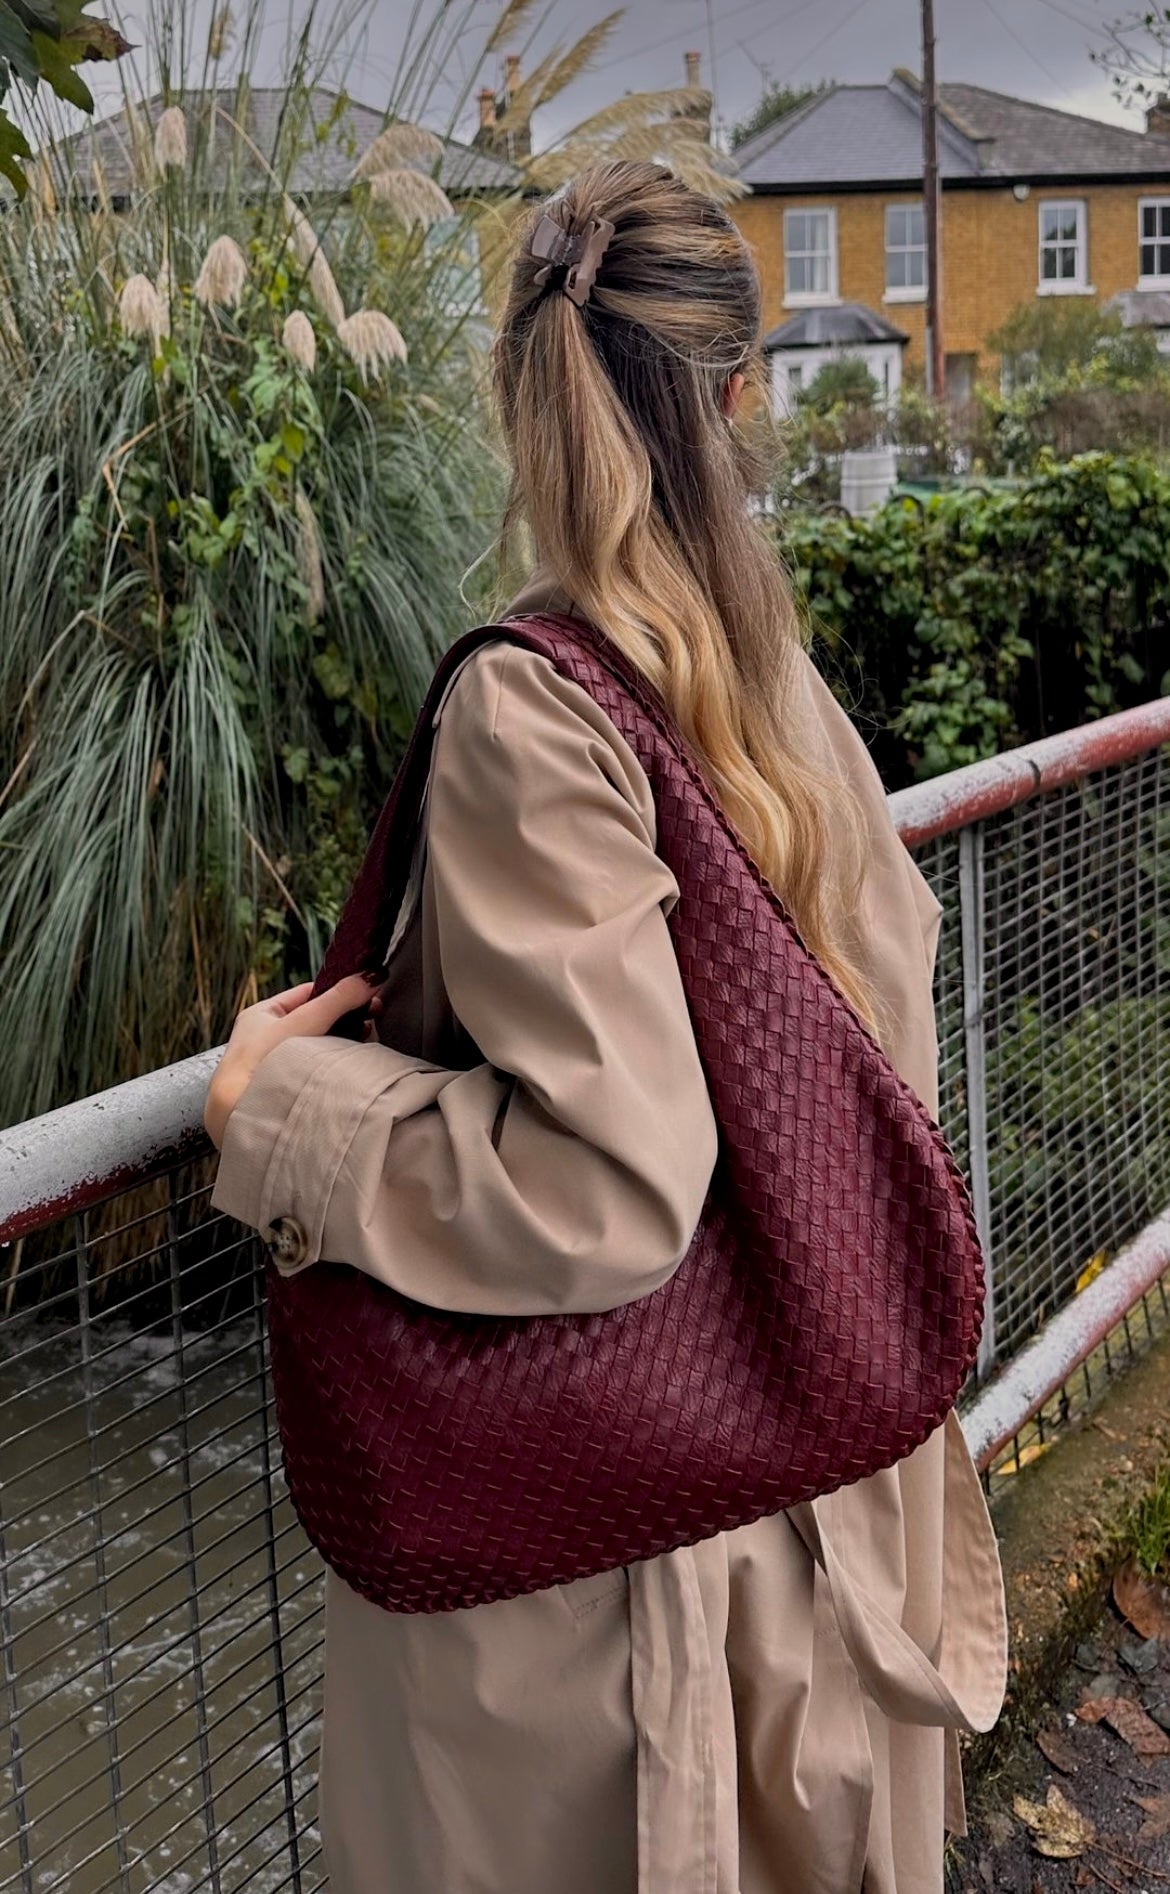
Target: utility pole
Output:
{"points": [[936, 375]]}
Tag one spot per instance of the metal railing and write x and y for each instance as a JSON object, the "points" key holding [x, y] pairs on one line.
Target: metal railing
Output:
{"points": [[160, 1611]]}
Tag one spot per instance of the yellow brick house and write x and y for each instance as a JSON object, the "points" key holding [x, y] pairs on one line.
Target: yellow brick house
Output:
{"points": [[1036, 202]]}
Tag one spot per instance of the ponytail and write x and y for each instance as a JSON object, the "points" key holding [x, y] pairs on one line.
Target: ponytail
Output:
{"points": [[636, 489]]}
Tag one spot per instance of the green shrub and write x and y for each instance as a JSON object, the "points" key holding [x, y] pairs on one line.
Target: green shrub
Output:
{"points": [[1069, 1099], [845, 382], [1054, 337], [985, 618]]}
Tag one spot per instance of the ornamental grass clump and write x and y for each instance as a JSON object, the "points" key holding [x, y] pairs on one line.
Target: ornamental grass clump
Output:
{"points": [[245, 470]]}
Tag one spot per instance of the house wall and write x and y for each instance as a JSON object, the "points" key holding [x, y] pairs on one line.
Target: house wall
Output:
{"points": [[990, 255]]}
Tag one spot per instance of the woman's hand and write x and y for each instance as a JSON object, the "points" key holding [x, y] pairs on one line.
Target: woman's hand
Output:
{"points": [[258, 1028]]}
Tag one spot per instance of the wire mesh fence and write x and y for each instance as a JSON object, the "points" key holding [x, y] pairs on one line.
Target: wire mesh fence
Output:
{"points": [[160, 1610], [1053, 1007], [159, 1607]]}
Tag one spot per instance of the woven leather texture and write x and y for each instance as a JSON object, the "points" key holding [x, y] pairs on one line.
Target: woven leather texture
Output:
{"points": [[819, 1328]]}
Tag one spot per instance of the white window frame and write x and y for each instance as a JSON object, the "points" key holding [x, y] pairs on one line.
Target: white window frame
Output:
{"points": [[805, 298], [915, 293], [1077, 285], [1157, 281]]}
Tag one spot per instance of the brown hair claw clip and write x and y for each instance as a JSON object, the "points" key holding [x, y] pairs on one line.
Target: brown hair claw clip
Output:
{"points": [[579, 254]]}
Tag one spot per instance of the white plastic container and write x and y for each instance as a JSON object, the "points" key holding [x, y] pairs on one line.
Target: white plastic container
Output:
{"points": [[868, 477]]}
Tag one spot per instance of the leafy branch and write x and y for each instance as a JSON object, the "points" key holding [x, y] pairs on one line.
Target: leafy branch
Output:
{"points": [[45, 41]]}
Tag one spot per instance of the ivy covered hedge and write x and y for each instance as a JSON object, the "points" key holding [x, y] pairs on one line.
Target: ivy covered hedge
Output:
{"points": [[985, 618]]}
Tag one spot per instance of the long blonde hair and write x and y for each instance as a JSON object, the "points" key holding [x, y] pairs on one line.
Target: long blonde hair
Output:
{"points": [[636, 490]]}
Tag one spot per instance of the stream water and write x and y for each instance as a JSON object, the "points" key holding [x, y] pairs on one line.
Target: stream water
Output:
{"points": [[160, 1613]]}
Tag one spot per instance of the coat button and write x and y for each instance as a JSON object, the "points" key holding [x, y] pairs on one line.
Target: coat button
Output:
{"points": [[286, 1241]]}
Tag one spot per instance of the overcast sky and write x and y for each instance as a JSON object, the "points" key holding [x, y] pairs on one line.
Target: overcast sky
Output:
{"points": [[1038, 49]]}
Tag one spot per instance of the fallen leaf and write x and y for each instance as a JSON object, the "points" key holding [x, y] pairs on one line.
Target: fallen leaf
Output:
{"points": [[1058, 1830], [1091, 1271], [1055, 1745], [1157, 1822], [1015, 1462], [1131, 1723], [1145, 1601]]}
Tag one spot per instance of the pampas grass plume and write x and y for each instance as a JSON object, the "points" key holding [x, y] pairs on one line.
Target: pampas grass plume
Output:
{"points": [[308, 252], [299, 339], [413, 197], [221, 280], [218, 34], [398, 144], [142, 311], [42, 191], [309, 557], [325, 291], [170, 139], [371, 340]]}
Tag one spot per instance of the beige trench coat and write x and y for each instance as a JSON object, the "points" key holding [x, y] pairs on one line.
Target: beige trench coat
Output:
{"points": [[773, 1711]]}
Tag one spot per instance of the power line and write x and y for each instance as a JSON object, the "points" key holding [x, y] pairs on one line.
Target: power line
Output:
{"points": [[749, 6], [806, 8], [670, 39], [810, 52], [1087, 26], [1025, 48]]}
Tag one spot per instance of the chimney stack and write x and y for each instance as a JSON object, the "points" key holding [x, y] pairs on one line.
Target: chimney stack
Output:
{"points": [[701, 112], [1158, 116], [515, 142]]}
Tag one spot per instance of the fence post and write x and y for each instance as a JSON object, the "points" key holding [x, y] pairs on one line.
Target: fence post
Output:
{"points": [[971, 919]]}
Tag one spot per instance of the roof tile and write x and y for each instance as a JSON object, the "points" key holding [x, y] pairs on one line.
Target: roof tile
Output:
{"points": [[859, 135], [840, 325], [324, 164]]}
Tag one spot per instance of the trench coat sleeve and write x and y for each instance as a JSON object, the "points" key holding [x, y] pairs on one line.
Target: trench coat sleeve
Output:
{"points": [[567, 1170]]}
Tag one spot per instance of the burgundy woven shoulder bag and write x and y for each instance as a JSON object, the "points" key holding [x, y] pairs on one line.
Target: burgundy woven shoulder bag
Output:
{"points": [[818, 1329]]}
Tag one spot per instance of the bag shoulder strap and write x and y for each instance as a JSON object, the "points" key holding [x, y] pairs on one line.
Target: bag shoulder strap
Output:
{"points": [[364, 928]]}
